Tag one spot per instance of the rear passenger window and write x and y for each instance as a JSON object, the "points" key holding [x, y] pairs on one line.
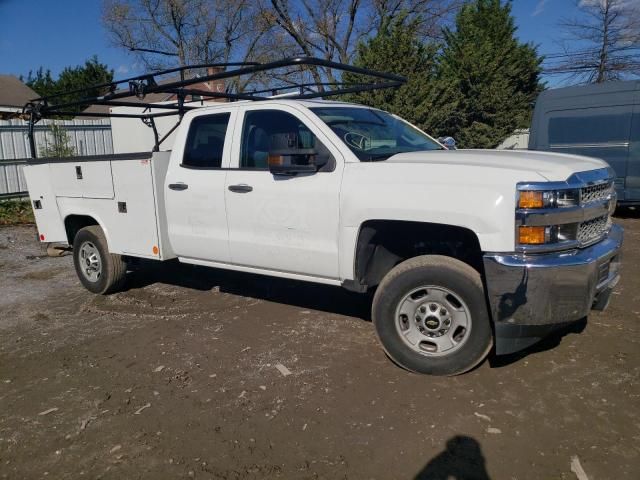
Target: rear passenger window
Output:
{"points": [[205, 141]]}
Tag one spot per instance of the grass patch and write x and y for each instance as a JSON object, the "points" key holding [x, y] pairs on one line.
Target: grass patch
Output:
{"points": [[15, 212]]}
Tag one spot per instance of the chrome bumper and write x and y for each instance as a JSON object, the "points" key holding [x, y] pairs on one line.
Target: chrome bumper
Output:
{"points": [[552, 288]]}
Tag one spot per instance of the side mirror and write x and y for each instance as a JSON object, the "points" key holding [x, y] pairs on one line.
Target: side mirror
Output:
{"points": [[448, 142], [291, 169], [293, 162]]}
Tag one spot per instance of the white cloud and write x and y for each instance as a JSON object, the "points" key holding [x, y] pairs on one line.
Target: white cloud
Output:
{"points": [[539, 8], [122, 69]]}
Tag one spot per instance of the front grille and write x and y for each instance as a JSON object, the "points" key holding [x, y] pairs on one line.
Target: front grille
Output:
{"points": [[594, 193], [579, 216], [593, 229]]}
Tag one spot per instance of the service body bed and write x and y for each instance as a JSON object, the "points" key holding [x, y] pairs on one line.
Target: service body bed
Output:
{"points": [[122, 193]]}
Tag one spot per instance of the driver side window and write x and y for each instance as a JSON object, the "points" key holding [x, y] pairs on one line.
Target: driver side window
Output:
{"points": [[279, 138]]}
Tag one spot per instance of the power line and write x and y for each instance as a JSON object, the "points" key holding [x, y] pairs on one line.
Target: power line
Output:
{"points": [[590, 52]]}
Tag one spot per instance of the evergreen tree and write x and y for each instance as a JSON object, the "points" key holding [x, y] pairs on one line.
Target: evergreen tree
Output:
{"points": [[397, 49], [488, 79], [71, 78], [41, 82], [58, 144]]}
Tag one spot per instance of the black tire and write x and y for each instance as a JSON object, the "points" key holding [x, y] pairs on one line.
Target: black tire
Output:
{"points": [[438, 272], [113, 268]]}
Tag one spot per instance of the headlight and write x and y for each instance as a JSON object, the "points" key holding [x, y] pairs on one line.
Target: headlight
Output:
{"points": [[567, 198], [564, 215], [533, 199]]}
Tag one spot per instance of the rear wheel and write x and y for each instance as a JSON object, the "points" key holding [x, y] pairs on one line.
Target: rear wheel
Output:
{"points": [[98, 270], [431, 316]]}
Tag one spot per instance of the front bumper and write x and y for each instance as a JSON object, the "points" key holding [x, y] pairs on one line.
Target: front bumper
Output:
{"points": [[532, 295]]}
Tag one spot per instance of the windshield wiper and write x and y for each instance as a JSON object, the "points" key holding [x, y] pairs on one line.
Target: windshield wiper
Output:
{"points": [[357, 122], [378, 157]]}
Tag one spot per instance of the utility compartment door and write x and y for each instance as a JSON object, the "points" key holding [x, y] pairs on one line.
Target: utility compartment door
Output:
{"points": [[81, 178], [97, 179], [135, 226], [43, 202]]}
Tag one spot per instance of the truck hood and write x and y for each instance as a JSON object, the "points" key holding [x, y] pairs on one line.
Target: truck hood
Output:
{"points": [[552, 166]]}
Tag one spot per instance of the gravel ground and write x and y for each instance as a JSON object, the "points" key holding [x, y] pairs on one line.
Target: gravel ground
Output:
{"points": [[197, 373]]}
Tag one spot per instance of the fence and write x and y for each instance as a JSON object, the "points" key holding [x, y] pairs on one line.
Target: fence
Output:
{"points": [[12, 183], [88, 137]]}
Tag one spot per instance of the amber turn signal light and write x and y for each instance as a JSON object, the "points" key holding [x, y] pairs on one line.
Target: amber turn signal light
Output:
{"points": [[531, 235], [531, 199], [276, 160]]}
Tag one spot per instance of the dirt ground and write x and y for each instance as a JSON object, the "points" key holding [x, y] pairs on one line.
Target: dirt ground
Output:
{"points": [[181, 376]]}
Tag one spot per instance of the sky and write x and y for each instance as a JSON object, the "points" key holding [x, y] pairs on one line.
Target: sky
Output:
{"points": [[59, 33]]}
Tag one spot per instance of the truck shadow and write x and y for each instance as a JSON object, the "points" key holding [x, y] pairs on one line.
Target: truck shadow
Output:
{"points": [[312, 296], [320, 297]]}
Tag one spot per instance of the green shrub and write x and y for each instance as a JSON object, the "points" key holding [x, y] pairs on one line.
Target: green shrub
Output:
{"points": [[15, 212]]}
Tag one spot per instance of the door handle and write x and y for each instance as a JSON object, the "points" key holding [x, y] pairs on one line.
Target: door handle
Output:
{"points": [[241, 188], [178, 186]]}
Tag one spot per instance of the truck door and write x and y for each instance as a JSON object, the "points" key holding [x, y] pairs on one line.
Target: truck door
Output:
{"points": [[284, 223], [194, 188]]}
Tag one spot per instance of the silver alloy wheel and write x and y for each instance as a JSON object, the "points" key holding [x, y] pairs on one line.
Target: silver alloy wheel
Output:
{"points": [[433, 321], [90, 262]]}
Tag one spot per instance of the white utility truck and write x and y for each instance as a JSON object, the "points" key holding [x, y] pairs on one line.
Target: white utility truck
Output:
{"points": [[463, 249]]}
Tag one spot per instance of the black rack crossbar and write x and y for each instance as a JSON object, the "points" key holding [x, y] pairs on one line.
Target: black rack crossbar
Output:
{"points": [[209, 94], [118, 115], [162, 106], [301, 87], [111, 86], [142, 85]]}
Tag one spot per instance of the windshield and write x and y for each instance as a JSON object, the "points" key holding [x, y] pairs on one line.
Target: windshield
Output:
{"points": [[373, 134]]}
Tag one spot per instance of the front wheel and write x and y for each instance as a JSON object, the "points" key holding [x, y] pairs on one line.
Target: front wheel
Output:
{"points": [[98, 270], [431, 316]]}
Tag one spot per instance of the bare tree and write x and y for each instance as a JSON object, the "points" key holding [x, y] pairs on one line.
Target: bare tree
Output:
{"points": [[169, 32], [602, 44], [331, 29]]}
